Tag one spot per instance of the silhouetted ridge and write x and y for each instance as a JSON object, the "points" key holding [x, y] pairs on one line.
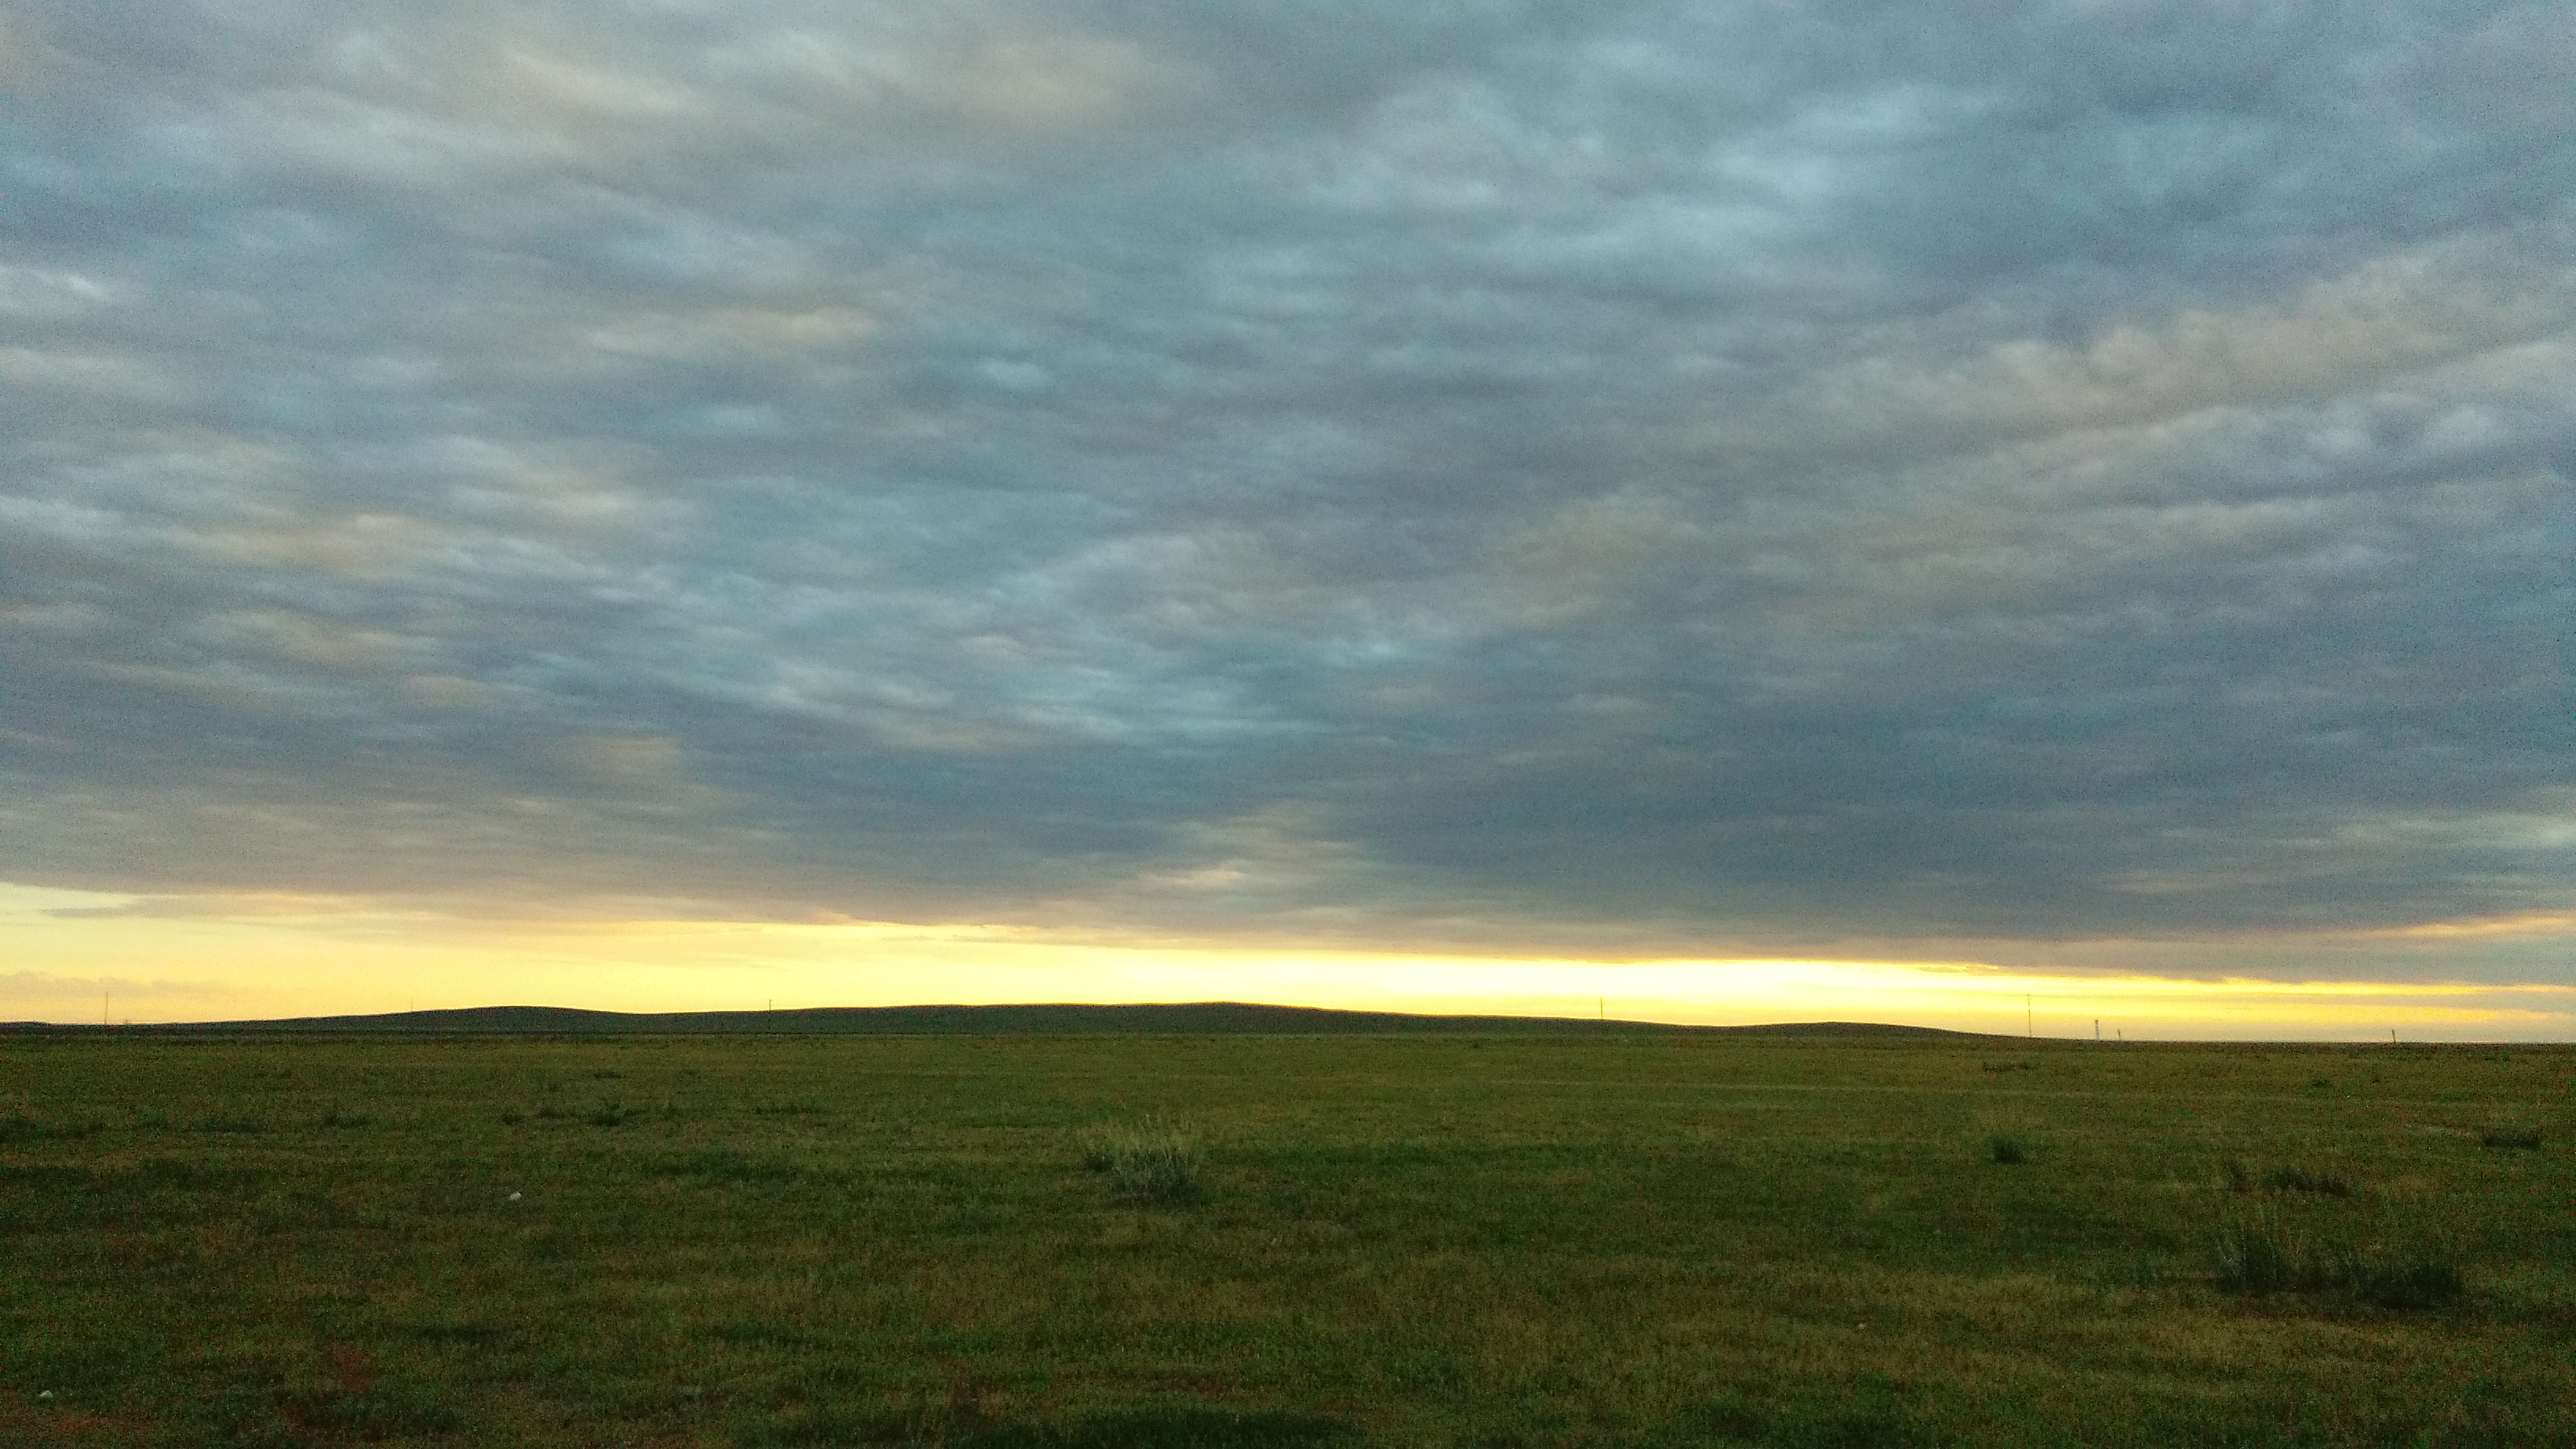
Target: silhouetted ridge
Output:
{"points": [[1195, 1018]]}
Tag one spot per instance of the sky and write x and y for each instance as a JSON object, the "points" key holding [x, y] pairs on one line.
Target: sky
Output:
{"points": [[1999, 515]]}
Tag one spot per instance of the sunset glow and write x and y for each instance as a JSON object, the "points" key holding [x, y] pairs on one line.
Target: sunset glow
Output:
{"points": [[301, 958]]}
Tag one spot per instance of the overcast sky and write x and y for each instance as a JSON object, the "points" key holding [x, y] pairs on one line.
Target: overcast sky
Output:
{"points": [[1651, 478]]}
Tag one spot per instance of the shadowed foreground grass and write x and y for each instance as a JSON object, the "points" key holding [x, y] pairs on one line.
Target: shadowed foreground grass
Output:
{"points": [[1401, 1240]]}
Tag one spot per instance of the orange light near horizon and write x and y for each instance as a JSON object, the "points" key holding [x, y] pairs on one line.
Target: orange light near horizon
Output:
{"points": [[277, 956]]}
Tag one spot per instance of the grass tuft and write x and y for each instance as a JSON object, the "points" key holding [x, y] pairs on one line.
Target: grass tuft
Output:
{"points": [[724, 1165], [229, 1124], [2415, 1282], [2007, 1150], [2525, 1139], [19, 1127], [2260, 1252], [788, 1109], [2297, 1179], [377, 1412], [1191, 1427], [1151, 1162]]}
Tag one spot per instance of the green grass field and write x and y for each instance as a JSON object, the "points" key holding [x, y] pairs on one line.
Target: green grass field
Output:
{"points": [[1362, 1240]]}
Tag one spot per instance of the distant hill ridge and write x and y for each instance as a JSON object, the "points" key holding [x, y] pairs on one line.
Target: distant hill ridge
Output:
{"points": [[1194, 1018]]}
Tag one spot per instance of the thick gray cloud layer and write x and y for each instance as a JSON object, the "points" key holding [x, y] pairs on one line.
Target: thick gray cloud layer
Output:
{"points": [[1662, 476]]}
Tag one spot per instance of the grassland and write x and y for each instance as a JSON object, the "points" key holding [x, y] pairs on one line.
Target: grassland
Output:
{"points": [[1637, 1242]]}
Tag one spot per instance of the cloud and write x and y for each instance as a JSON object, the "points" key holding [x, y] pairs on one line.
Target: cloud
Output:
{"points": [[1644, 478]]}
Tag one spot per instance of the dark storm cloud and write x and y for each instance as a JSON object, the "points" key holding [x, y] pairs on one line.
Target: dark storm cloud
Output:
{"points": [[1668, 477]]}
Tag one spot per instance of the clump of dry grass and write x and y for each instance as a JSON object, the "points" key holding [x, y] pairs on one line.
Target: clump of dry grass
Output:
{"points": [[2261, 1251], [1149, 1162], [2299, 1179]]}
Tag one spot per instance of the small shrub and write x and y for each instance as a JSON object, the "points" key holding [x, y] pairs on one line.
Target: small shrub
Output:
{"points": [[1153, 1162], [551, 1113], [605, 1074], [609, 1114], [2007, 1150], [2526, 1139], [2240, 1178], [337, 1118], [513, 1119], [2294, 1179]]}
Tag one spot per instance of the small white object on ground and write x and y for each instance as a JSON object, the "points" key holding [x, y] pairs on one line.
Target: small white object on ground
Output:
{"points": [[514, 1197]]}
